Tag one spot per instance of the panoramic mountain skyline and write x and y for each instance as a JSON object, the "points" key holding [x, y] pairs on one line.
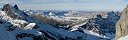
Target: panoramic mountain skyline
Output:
{"points": [[50, 24], [98, 5], [19, 24]]}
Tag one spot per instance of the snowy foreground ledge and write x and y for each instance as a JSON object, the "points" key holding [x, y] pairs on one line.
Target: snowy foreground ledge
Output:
{"points": [[123, 38]]}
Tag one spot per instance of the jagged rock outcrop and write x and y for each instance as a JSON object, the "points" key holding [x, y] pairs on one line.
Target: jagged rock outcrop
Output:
{"points": [[103, 26], [122, 25], [14, 12], [16, 7], [8, 9]]}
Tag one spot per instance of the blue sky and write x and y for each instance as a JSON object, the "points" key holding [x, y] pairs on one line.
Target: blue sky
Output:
{"points": [[96, 5]]}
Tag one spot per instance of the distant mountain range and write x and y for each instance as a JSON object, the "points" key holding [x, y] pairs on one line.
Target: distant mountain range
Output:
{"points": [[16, 24]]}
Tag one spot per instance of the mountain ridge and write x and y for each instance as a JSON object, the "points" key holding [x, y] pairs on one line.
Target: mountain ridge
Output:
{"points": [[20, 25]]}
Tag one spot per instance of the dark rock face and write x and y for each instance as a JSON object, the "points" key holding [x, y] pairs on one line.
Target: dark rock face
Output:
{"points": [[122, 24], [16, 7], [8, 9], [99, 16], [103, 25], [23, 35]]}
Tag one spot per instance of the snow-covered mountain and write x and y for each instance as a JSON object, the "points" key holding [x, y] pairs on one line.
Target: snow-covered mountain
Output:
{"points": [[28, 25]]}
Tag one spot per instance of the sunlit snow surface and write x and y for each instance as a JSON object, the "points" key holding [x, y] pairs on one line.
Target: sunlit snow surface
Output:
{"points": [[29, 26], [123, 38]]}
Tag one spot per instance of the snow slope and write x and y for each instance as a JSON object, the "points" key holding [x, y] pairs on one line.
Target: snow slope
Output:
{"points": [[123, 38]]}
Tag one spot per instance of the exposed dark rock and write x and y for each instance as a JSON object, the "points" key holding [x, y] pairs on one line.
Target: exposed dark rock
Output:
{"points": [[47, 35], [16, 7], [99, 16], [37, 38], [35, 27], [1, 22], [22, 35], [11, 28], [102, 25]]}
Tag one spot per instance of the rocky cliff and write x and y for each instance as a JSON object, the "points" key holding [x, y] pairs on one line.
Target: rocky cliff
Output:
{"points": [[122, 24]]}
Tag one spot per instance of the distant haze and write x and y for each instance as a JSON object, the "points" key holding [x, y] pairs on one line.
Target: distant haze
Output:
{"points": [[96, 5]]}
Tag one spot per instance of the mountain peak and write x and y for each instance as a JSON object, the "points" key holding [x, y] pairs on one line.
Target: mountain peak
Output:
{"points": [[11, 11], [6, 7], [16, 7]]}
